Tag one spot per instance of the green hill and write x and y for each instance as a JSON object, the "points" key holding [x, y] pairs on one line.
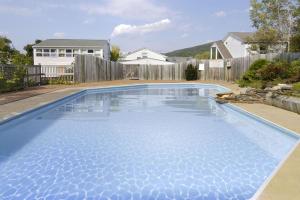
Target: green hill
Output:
{"points": [[190, 52]]}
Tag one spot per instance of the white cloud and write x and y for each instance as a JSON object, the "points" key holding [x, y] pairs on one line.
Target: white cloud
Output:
{"points": [[9, 9], [88, 21], [59, 35], [136, 9], [146, 28], [220, 14]]}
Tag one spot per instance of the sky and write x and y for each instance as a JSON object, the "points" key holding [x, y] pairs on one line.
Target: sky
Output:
{"points": [[161, 25]]}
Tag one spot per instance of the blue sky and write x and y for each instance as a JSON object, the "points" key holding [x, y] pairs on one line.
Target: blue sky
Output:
{"points": [[161, 25]]}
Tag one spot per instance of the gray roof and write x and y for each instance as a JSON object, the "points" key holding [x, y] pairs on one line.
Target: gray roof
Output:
{"points": [[242, 36], [177, 59], [223, 50], [144, 49], [71, 43]]}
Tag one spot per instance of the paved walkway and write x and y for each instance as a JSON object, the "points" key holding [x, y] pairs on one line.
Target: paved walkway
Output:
{"points": [[29, 92], [284, 185]]}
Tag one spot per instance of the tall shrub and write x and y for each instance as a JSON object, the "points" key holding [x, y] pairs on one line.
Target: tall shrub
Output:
{"points": [[191, 73]]}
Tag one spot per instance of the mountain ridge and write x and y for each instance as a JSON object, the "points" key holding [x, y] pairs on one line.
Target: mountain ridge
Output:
{"points": [[190, 51]]}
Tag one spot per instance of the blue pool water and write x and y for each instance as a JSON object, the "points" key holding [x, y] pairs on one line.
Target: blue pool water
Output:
{"points": [[142, 142]]}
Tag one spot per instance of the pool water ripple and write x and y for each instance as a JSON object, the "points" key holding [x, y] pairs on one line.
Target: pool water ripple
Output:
{"points": [[149, 143]]}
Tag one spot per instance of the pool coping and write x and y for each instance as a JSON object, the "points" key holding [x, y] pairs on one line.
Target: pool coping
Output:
{"points": [[283, 160], [83, 90]]}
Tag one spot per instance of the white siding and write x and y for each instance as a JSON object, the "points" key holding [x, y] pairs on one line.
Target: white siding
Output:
{"points": [[236, 47], [106, 52], [53, 64], [53, 60], [145, 52], [56, 60], [146, 62]]}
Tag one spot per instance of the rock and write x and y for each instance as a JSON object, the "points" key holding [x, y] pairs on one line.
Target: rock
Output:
{"points": [[269, 95], [285, 86], [244, 90], [221, 101], [224, 95], [282, 87], [268, 89], [277, 87]]}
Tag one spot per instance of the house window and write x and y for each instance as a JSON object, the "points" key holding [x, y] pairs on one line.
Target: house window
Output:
{"points": [[53, 53], [68, 52], [75, 52], [144, 55], [39, 52], [219, 55], [62, 53], [213, 52], [90, 51], [46, 52]]}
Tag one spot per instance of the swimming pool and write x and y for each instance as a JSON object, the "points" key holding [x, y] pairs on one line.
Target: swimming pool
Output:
{"points": [[165, 141]]}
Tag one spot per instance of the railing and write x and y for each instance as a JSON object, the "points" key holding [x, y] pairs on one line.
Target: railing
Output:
{"points": [[61, 72]]}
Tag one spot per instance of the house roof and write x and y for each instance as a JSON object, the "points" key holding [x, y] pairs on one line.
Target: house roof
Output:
{"points": [[146, 61], [72, 43], [242, 36], [144, 49], [177, 59], [223, 49]]}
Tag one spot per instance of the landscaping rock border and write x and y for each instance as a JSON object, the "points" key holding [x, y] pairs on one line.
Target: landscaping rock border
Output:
{"points": [[276, 96]]}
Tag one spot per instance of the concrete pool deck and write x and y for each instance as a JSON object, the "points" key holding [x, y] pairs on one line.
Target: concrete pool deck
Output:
{"points": [[284, 185]]}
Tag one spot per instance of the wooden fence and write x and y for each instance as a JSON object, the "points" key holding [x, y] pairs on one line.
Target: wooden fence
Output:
{"points": [[88, 68], [33, 73], [238, 66]]}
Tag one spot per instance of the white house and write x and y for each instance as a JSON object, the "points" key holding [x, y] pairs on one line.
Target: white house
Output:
{"points": [[57, 55], [145, 57], [234, 45]]}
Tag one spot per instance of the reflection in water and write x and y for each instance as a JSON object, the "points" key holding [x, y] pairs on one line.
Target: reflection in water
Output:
{"points": [[100, 105]]}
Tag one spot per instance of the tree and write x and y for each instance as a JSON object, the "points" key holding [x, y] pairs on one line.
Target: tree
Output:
{"points": [[6, 50], [264, 39], [203, 56], [273, 16], [295, 40], [28, 48], [21, 59], [115, 53]]}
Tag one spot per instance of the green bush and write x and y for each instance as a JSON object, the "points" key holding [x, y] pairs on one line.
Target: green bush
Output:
{"points": [[263, 73], [294, 71], [191, 73], [296, 87], [62, 80], [258, 64], [15, 83], [274, 70], [254, 83], [254, 71]]}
